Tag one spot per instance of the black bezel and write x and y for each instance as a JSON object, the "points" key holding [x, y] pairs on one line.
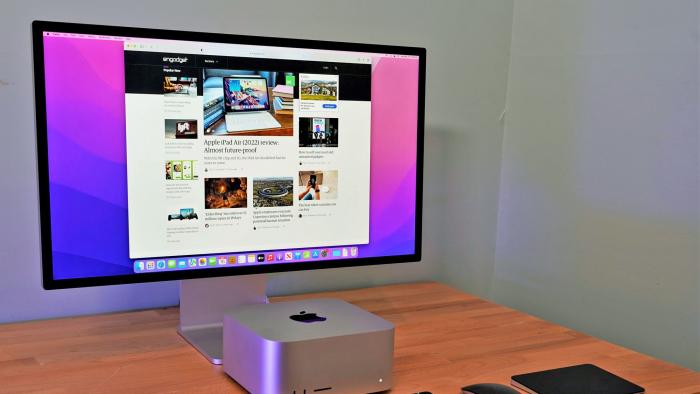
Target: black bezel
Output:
{"points": [[49, 283]]}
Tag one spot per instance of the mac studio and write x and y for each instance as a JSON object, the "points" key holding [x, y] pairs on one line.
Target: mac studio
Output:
{"points": [[236, 203]]}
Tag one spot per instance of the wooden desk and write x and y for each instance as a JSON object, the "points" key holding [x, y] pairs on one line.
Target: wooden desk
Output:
{"points": [[445, 339]]}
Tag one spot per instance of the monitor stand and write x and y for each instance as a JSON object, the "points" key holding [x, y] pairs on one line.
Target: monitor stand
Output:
{"points": [[203, 303]]}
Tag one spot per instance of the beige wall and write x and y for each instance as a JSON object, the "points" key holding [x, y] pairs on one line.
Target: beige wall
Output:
{"points": [[598, 223]]}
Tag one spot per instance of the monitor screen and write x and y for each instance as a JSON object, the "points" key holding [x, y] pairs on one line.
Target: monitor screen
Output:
{"points": [[173, 155]]}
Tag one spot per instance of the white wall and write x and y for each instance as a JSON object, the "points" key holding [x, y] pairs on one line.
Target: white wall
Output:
{"points": [[599, 216], [468, 44], [466, 142]]}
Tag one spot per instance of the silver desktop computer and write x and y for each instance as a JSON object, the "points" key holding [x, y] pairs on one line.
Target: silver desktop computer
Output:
{"points": [[216, 159]]}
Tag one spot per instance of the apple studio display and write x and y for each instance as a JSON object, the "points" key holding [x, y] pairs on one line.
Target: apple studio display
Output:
{"points": [[181, 155]]}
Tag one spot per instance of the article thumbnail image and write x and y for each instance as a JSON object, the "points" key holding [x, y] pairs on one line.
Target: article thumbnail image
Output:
{"points": [[183, 214], [318, 185], [225, 193], [181, 170], [273, 192], [248, 102], [318, 87], [180, 129], [318, 132], [178, 85], [246, 93]]}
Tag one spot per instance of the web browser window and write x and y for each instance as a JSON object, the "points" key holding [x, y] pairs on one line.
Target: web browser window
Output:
{"points": [[235, 148]]}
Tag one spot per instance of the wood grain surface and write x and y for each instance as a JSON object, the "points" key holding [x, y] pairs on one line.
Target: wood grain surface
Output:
{"points": [[445, 339]]}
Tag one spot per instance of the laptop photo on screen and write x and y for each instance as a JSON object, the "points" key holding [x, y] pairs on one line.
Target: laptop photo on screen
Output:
{"points": [[247, 103]]}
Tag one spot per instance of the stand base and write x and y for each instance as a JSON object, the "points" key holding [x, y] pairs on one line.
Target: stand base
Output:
{"points": [[203, 303], [208, 341]]}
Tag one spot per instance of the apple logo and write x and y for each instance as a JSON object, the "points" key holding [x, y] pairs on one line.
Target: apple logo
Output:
{"points": [[304, 317]]}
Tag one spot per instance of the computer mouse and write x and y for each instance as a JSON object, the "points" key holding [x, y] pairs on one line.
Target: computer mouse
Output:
{"points": [[488, 388]]}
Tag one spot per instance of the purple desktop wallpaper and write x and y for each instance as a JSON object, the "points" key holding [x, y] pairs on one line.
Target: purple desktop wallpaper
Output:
{"points": [[87, 157]]}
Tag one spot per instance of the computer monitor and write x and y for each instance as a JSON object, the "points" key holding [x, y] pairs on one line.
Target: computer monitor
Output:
{"points": [[152, 168]]}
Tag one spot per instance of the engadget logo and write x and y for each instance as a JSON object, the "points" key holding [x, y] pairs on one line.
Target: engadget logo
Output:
{"points": [[174, 59]]}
